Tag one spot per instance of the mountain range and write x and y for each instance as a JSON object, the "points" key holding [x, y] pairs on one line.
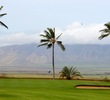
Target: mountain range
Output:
{"points": [[32, 55]]}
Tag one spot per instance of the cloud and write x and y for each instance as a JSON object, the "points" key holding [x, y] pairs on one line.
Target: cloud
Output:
{"points": [[76, 33], [19, 38], [80, 33]]}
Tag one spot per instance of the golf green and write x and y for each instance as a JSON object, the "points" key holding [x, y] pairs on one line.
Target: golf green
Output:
{"points": [[34, 89]]}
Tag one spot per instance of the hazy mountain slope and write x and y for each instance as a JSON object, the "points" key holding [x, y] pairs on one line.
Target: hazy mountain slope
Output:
{"points": [[31, 55]]}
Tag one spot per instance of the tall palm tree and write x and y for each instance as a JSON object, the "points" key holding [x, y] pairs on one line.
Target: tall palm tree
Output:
{"points": [[1, 15], [106, 31], [49, 40], [69, 73]]}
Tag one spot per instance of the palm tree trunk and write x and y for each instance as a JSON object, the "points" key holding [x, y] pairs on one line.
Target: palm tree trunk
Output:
{"points": [[53, 61]]}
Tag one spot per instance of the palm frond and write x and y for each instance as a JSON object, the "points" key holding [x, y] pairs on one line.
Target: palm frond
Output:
{"points": [[107, 25], [3, 14], [72, 69], [1, 23], [52, 32], [103, 36], [1, 7], [58, 36], [44, 44], [65, 72], [75, 72], [105, 30], [43, 35], [61, 45], [66, 69], [49, 45], [48, 35], [44, 40]]}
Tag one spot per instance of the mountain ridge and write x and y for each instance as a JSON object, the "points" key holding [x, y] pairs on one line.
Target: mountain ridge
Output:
{"points": [[31, 55]]}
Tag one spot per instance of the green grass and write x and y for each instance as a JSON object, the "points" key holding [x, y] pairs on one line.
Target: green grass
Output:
{"points": [[32, 89]]}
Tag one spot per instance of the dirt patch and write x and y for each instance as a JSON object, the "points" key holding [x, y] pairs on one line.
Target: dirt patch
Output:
{"points": [[92, 87]]}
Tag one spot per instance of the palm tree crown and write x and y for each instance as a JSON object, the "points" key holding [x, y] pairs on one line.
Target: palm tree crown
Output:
{"points": [[106, 31], [69, 73], [1, 15], [49, 40]]}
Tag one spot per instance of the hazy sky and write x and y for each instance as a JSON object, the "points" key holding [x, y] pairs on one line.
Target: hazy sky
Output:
{"points": [[78, 20]]}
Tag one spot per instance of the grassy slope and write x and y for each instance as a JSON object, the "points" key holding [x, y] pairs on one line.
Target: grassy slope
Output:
{"points": [[31, 89]]}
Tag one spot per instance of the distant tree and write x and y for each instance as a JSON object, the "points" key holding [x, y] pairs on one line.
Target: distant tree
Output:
{"points": [[105, 31], [1, 15], [49, 40], [69, 73]]}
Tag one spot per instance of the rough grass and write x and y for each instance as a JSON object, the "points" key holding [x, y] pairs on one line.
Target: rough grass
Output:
{"points": [[32, 89]]}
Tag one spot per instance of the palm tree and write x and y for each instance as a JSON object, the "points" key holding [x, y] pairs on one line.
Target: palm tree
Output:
{"points": [[69, 73], [49, 40], [106, 31], [1, 15]]}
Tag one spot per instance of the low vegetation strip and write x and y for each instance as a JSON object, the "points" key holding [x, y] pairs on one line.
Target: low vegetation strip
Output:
{"points": [[92, 87]]}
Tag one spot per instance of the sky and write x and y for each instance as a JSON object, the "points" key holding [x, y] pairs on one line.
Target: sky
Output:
{"points": [[78, 20]]}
